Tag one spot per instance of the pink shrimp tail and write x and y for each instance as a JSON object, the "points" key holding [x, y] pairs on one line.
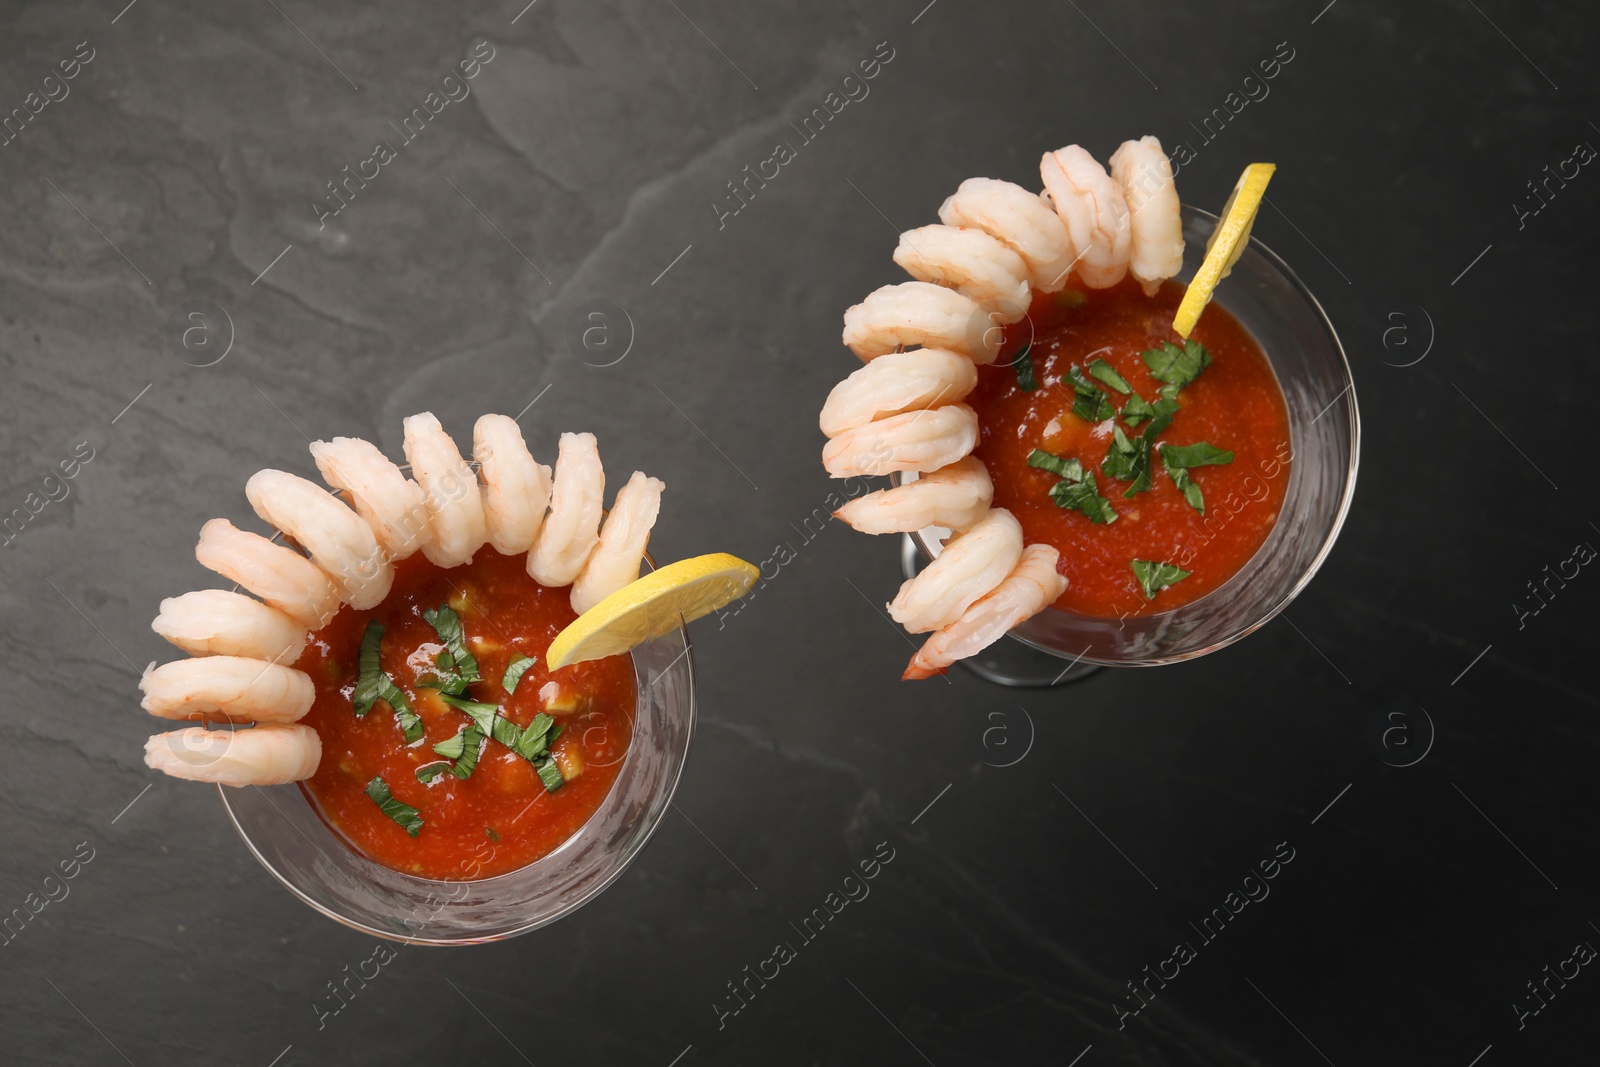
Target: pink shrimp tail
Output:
{"points": [[917, 670]]}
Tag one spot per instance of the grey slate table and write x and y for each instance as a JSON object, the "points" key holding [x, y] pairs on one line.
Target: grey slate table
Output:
{"points": [[1048, 846]]}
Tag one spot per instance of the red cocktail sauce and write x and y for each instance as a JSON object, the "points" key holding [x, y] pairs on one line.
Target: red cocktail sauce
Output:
{"points": [[1235, 404], [501, 818]]}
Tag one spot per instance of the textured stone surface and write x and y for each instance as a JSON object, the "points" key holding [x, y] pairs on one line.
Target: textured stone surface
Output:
{"points": [[186, 160]]}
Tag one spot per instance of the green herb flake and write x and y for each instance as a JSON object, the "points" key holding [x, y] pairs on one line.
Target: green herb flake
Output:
{"points": [[368, 679], [1084, 496], [1175, 365], [514, 673], [373, 685], [462, 750], [1129, 461], [505, 731], [1022, 363], [1199, 454], [550, 775], [447, 624], [1179, 458], [536, 738], [1186, 486], [1064, 467], [1090, 402], [472, 746], [409, 721], [489, 832], [1154, 577], [1108, 374], [405, 816], [1136, 410], [1164, 409], [429, 771], [482, 714], [1119, 461]]}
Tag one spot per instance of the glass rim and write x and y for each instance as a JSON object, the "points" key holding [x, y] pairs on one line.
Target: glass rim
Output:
{"points": [[1347, 495]]}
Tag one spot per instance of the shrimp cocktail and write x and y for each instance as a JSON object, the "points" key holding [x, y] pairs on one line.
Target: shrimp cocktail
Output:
{"points": [[441, 660], [1069, 435]]}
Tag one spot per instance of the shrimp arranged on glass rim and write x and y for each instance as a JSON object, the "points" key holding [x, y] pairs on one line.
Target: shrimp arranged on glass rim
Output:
{"points": [[997, 246], [919, 313], [955, 497], [1030, 588], [245, 644]]}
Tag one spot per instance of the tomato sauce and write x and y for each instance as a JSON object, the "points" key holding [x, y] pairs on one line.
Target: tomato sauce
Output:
{"points": [[1234, 404], [500, 818]]}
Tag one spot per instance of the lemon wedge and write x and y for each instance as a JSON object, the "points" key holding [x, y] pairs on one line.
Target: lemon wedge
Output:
{"points": [[652, 606], [1226, 244]]}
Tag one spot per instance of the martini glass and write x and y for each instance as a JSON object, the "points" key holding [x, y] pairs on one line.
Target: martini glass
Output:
{"points": [[1057, 647]]}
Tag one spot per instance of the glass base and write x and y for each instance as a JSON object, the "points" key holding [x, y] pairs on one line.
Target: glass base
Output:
{"points": [[1009, 661]]}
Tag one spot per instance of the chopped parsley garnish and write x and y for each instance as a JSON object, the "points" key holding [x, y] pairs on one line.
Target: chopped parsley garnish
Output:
{"points": [[1091, 403], [1175, 365], [1137, 409], [369, 674], [453, 747], [1154, 577], [1179, 458], [514, 672], [373, 685], [462, 751], [462, 665], [1108, 374], [531, 743], [1084, 496], [482, 714], [1077, 490], [1129, 461], [405, 816], [1022, 363], [471, 748], [507, 732], [1068, 468], [536, 738], [429, 771], [550, 775], [1121, 460], [1199, 454]]}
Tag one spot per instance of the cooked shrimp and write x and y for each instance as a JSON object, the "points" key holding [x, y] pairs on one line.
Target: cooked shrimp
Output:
{"points": [[515, 487], [970, 261], [570, 532], [389, 501], [920, 313], [1093, 208], [1030, 588], [1019, 219], [215, 622], [971, 565], [897, 383], [616, 559], [955, 496], [272, 753], [226, 687], [916, 441], [280, 576], [337, 539], [450, 492], [1142, 170]]}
